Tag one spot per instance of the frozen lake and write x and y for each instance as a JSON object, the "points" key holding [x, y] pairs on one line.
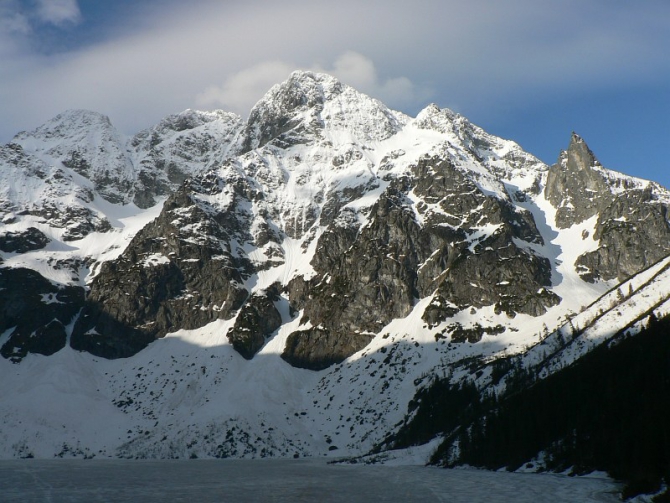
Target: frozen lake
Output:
{"points": [[280, 481]]}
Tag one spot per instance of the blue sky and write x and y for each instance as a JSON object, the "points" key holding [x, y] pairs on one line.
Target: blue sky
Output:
{"points": [[528, 70]]}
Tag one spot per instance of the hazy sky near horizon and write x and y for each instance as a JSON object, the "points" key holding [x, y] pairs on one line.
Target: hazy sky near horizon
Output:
{"points": [[528, 70]]}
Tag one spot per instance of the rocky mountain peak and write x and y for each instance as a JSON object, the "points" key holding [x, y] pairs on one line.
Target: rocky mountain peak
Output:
{"points": [[327, 231], [191, 119], [308, 105], [631, 231], [68, 124], [87, 143], [576, 185], [304, 89], [435, 118], [578, 155]]}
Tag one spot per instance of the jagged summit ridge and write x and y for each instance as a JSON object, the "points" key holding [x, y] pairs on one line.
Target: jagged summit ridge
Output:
{"points": [[181, 146], [630, 214], [303, 271], [309, 104], [87, 143], [318, 168]]}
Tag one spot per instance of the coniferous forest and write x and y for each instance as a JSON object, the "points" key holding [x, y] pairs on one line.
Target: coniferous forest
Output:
{"points": [[610, 411]]}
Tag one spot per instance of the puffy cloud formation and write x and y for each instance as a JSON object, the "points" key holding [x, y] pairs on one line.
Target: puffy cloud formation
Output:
{"points": [[155, 57], [240, 91], [59, 12]]}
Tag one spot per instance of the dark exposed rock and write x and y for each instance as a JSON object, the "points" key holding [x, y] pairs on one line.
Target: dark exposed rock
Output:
{"points": [[363, 285], [372, 280], [438, 310], [298, 290], [181, 146], [473, 334], [463, 205], [256, 321], [37, 311], [471, 271], [150, 185], [317, 348], [574, 187], [633, 232], [336, 240], [178, 272], [371, 275], [77, 221], [22, 242], [501, 274], [632, 228]]}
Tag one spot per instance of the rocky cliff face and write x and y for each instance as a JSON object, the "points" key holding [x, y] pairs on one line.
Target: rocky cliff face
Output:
{"points": [[179, 147], [456, 245], [576, 185], [327, 202], [632, 227], [284, 285], [633, 232], [34, 313], [175, 273]]}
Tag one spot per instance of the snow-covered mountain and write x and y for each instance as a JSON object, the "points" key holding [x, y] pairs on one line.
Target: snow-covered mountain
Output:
{"points": [[284, 285]]}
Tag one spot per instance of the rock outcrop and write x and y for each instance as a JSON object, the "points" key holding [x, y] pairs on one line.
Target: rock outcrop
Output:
{"points": [[632, 229], [576, 185], [23, 241], [324, 203], [633, 232], [256, 322], [174, 274], [34, 313]]}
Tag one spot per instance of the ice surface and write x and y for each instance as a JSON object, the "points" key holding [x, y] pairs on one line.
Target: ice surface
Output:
{"points": [[28, 481]]}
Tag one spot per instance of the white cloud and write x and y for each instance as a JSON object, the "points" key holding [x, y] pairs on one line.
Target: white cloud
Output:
{"points": [[59, 12], [12, 20], [174, 55], [243, 89], [360, 72], [240, 91]]}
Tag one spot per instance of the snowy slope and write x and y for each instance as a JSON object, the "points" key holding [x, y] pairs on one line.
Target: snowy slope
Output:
{"points": [[315, 163], [622, 312], [87, 143]]}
